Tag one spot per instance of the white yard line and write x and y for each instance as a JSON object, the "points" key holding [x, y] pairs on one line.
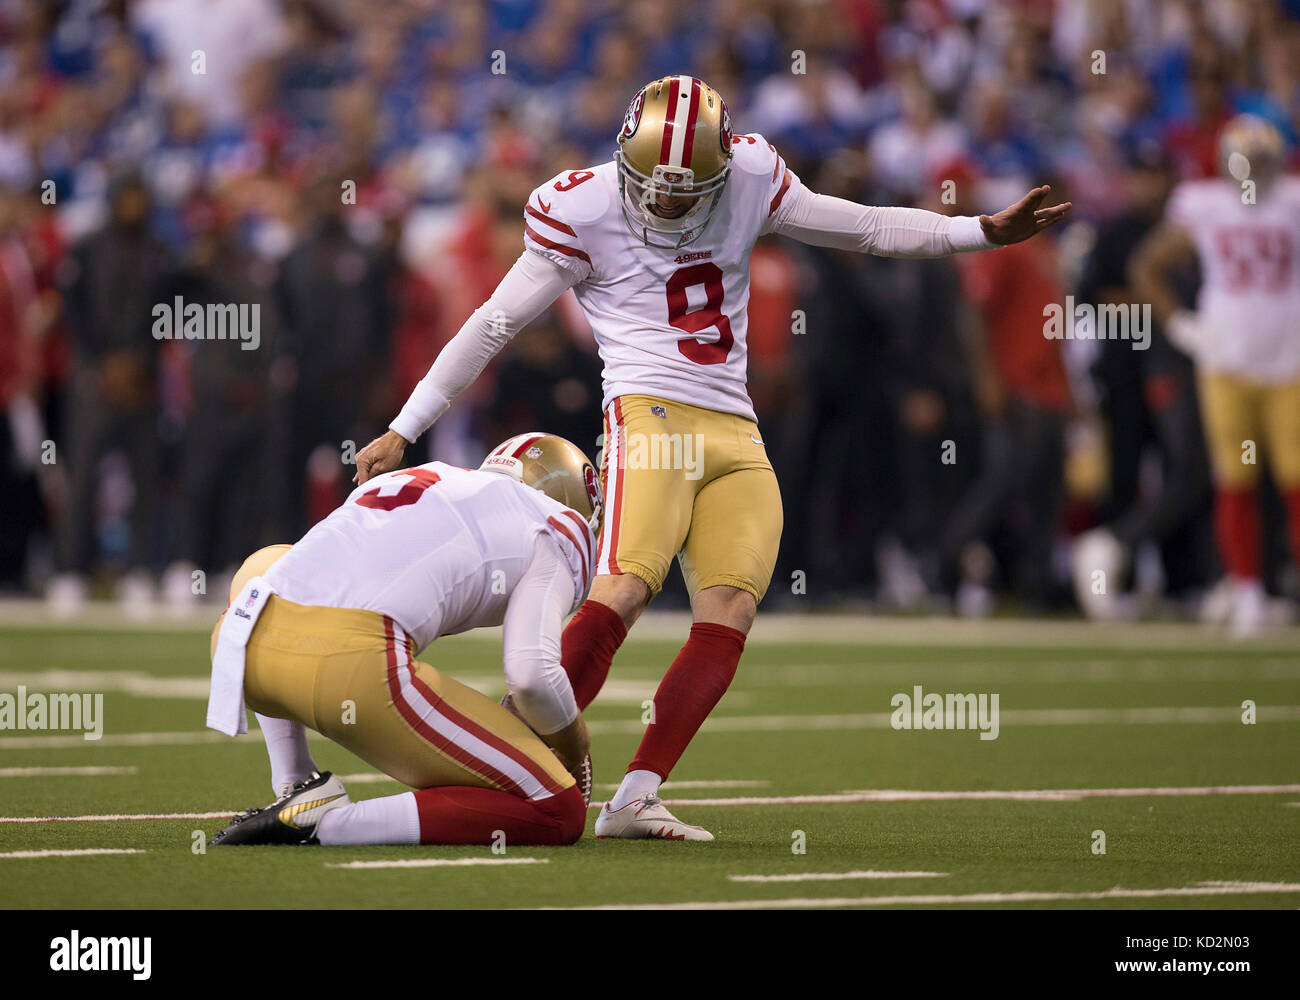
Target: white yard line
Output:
{"points": [[137, 684], [974, 898], [367, 778], [781, 627], [698, 784], [71, 853], [152, 739], [131, 682], [881, 795], [1151, 670], [119, 817], [57, 772], [1074, 794], [1032, 795], [439, 862], [833, 876], [1172, 715]]}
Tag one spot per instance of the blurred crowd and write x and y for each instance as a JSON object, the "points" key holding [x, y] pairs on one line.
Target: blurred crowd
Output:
{"points": [[358, 171]]}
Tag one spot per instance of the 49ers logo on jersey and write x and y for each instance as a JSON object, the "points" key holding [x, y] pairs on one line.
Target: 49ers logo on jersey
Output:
{"points": [[726, 128], [632, 120]]}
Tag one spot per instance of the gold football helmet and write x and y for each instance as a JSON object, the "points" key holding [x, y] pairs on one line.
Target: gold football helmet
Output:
{"points": [[674, 157], [557, 467]]}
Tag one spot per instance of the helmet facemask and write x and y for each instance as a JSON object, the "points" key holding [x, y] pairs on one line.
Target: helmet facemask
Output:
{"points": [[639, 192], [675, 143]]}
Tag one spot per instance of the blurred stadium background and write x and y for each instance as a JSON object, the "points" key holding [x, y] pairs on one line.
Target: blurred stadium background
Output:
{"points": [[171, 456]]}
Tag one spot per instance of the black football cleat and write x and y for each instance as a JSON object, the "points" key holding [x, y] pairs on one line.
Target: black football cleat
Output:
{"points": [[290, 819]]}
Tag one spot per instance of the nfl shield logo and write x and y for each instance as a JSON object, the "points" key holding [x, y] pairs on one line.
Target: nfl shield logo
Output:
{"points": [[534, 452], [659, 411]]}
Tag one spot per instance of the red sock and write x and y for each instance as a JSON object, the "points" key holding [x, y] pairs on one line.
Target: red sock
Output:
{"points": [[1236, 530], [587, 648], [1291, 498], [698, 678], [465, 815]]}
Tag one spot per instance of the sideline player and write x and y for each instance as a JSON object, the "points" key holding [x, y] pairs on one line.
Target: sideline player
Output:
{"points": [[1244, 338], [656, 245], [324, 635]]}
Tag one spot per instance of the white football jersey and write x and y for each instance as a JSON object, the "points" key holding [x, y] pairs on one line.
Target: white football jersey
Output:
{"points": [[1249, 301], [437, 548], [668, 323]]}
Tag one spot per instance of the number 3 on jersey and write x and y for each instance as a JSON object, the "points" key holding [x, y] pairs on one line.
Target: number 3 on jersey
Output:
{"points": [[419, 481], [683, 317]]}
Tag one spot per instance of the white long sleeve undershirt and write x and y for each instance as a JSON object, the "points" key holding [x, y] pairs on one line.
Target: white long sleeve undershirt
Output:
{"points": [[534, 282], [822, 221], [531, 632]]}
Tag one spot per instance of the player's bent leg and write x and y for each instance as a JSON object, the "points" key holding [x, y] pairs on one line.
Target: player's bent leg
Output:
{"points": [[428, 730], [595, 633], [361, 687], [351, 676], [647, 514], [689, 691], [627, 595], [458, 815], [484, 816], [286, 739], [318, 811], [692, 687], [648, 504], [734, 538], [724, 605], [727, 560]]}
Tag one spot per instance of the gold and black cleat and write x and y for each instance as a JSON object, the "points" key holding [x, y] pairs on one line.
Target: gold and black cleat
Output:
{"points": [[291, 819]]}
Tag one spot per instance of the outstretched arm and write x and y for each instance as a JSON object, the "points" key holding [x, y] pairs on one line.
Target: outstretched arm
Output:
{"points": [[821, 220], [532, 284]]}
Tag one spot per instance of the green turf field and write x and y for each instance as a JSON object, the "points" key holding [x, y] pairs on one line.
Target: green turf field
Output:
{"points": [[1198, 809]]}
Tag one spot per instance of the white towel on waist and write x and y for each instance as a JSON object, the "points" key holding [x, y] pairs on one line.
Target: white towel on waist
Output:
{"points": [[226, 711]]}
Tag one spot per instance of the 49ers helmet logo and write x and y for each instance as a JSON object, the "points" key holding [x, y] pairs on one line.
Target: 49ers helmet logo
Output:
{"points": [[725, 131], [632, 119], [594, 494]]}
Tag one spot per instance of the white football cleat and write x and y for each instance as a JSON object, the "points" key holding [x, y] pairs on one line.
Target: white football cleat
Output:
{"points": [[646, 818], [66, 594], [178, 584], [1217, 604], [1099, 551], [135, 593], [1250, 608]]}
